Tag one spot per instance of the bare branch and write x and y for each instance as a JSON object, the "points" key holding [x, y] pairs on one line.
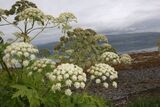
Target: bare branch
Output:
{"points": [[5, 24], [38, 28], [31, 26], [40, 31], [11, 23]]}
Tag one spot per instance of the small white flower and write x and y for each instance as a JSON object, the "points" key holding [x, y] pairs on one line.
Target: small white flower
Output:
{"points": [[98, 81], [53, 78], [114, 84], [13, 52], [68, 83], [82, 85], [107, 74], [68, 92], [39, 70], [80, 77], [92, 77], [19, 53], [77, 85], [105, 85], [104, 78], [74, 77], [26, 54], [66, 76], [30, 73], [33, 57], [59, 78], [13, 61], [25, 63], [53, 88], [58, 86]]}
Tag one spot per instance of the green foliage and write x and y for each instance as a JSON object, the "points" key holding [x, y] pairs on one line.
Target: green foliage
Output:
{"points": [[85, 100], [76, 100], [30, 94], [145, 102], [44, 53], [82, 47], [20, 6], [22, 90], [26, 88], [6, 100], [2, 48]]}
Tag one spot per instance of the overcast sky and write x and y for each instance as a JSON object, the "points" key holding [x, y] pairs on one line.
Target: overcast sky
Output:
{"points": [[104, 16]]}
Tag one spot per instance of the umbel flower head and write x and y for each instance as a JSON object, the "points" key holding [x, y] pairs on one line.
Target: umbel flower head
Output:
{"points": [[66, 16], [100, 37], [110, 58], [40, 65], [19, 53], [31, 14], [103, 73], [126, 59], [67, 76], [2, 12]]}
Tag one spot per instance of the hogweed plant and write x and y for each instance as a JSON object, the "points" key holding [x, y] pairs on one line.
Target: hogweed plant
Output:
{"points": [[126, 59], [84, 57], [41, 65], [19, 54], [31, 21], [82, 47], [110, 58], [102, 74], [66, 76]]}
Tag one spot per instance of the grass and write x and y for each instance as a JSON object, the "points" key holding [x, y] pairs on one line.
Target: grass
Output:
{"points": [[145, 102]]}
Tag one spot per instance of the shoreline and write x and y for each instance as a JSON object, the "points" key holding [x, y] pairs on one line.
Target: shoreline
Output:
{"points": [[142, 60], [142, 78], [140, 50]]}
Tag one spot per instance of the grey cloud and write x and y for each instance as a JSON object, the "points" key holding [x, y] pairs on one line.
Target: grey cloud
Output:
{"points": [[105, 16]]}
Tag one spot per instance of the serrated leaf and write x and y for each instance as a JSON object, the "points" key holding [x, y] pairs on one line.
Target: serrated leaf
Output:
{"points": [[31, 94]]}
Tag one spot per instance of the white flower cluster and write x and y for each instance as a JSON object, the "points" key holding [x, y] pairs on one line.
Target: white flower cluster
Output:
{"points": [[40, 65], [67, 76], [66, 16], [110, 58], [102, 73], [126, 59], [50, 18], [106, 45], [100, 37], [1, 12], [31, 13], [19, 53]]}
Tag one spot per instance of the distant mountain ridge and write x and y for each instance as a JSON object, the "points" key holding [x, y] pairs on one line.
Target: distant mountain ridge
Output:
{"points": [[134, 41], [124, 42]]}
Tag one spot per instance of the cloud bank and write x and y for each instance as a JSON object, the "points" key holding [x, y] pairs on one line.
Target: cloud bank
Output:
{"points": [[104, 16]]}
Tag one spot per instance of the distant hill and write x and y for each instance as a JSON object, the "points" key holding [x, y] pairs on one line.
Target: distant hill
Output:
{"points": [[125, 42], [49, 46], [134, 41]]}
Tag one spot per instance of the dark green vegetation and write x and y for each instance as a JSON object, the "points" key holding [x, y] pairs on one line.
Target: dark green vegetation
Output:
{"points": [[145, 102], [35, 93], [82, 47]]}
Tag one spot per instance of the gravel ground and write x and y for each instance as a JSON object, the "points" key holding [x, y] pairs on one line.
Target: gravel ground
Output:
{"points": [[130, 83]]}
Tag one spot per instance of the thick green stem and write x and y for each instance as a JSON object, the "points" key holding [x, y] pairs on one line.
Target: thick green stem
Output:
{"points": [[46, 92], [6, 68]]}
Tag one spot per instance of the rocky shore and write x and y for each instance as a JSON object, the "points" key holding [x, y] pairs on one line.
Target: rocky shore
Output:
{"points": [[140, 78]]}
